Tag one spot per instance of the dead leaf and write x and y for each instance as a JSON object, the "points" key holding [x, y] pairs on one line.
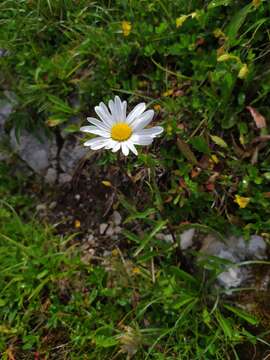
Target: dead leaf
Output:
{"points": [[257, 117], [187, 152]]}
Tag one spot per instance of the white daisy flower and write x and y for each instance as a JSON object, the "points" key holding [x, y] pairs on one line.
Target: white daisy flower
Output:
{"points": [[117, 130]]}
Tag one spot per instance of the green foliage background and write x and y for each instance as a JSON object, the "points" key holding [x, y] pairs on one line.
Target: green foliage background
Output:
{"points": [[66, 56]]}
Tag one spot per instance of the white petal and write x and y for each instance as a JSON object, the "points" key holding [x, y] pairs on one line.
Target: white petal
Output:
{"points": [[124, 110], [143, 120], [141, 139], [96, 143], [153, 132], [137, 111], [116, 147], [132, 147], [110, 143], [103, 115], [106, 113], [99, 124], [113, 110], [96, 131], [125, 148], [118, 108]]}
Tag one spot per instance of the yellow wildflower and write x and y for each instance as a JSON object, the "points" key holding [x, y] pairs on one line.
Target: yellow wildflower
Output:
{"points": [[180, 21], [77, 224], [241, 201], [126, 27], [243, 72]]}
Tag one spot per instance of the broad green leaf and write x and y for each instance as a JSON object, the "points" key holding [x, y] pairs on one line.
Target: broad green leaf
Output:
{"points": [[200, 144], [236, 22], [225, 325]]}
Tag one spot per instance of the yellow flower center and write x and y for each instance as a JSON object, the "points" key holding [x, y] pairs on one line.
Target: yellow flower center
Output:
{"points": [[121, 132]]}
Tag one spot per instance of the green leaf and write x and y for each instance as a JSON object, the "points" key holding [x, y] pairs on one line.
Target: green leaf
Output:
{"points": [[225, 325], [243, 314], [104, 341], [219, 141], [236, 22], [200, 144], [216, 3]]}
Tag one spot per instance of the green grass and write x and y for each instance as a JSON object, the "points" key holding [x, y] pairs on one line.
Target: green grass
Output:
{"points": [[141, 305]]}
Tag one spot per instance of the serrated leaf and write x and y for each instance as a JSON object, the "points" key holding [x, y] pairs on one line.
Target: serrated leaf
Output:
{"points": [[219, 141], [200, 144]]}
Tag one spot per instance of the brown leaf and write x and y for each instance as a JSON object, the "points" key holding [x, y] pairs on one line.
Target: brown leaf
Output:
{"points": [[186, 150], [257, 117]]}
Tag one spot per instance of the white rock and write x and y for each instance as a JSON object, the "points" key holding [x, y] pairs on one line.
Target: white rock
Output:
{"points": [[110, 231], [41, 207], [165, 237], [102, 228], [257, 247], [117, 218], [186, 239]]}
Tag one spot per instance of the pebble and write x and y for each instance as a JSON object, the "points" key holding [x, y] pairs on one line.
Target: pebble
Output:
{"points": [[186, 239], [117, 218], [52, 205], [102, 228], [41, 207]]}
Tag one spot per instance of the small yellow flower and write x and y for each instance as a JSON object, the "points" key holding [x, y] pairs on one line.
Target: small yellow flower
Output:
{"points": [[114, 252], [77, 224], [168, 93], [106, 183], [243, 72], [180, 21], [256, 3], [241, 201], [157, 107], [126, 27], [136, 270], [215, 159]]}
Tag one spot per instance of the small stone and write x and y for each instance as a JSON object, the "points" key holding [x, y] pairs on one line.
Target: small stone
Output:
{"points": [[117, 218], [102, 228], [186, 239], [165, 237], [256, 247], [41, 207], [91, 252], [107, 253], [77, 197], [117, 230], [64, 178], [52, 205], [51, 176], [110, 231]]}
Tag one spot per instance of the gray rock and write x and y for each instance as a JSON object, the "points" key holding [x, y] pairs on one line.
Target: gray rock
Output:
{"points": [[51, 176], [102, 228], [38, 153], [64, 178], [6, 107], [186, 238], [253, 248], [235, 249], [71, 154], [116, 218]]}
